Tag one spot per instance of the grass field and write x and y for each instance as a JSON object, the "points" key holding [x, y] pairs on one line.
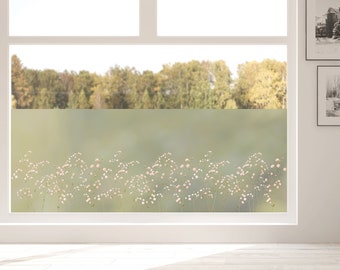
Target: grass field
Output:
{"points": [[149, 160]]}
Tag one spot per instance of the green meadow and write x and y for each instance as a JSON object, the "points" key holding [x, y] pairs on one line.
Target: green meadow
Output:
{"points": [[148, 160]]}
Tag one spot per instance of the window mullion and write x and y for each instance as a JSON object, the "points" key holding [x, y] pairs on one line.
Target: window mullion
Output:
{"points": [[4, 110], [148, 40], [148, 19]]}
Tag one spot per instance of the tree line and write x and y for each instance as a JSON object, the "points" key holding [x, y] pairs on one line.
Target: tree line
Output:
{"points": [[190, 85]]}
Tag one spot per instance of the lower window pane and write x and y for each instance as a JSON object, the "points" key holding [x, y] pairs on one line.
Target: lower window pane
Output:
{"points": [[194, 158]]}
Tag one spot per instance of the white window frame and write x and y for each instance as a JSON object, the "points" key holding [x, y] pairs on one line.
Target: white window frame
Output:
{"points": [[148, 36]]}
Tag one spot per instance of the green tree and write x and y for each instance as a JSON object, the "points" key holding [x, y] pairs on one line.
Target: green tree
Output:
{"points": [[158, 100], [72, 102], [45, 99], [83, 84], [231, 104], [67, 86], [14, 102], [100, 97], [170, 86], [189, 85], [147, 81], [261, 85], [247, 73], [54, 92], [32, 78], [220, 80], [20, 86], [262, 94], [186, 85], [83, 100], [146, 101], [118, 84], [199, 90]]}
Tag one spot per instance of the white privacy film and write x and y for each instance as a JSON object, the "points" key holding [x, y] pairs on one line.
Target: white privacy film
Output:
{"points": [[222, 17]]}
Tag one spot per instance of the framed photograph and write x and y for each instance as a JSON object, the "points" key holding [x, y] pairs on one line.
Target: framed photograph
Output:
{"points": [[328, 95], [322, 29]]}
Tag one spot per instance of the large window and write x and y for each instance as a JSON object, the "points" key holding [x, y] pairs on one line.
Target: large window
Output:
{"points": [[119, 109]]}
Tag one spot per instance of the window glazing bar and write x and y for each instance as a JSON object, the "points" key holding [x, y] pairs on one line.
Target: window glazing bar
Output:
{"points": [[4, 110], [148, 18], [147, 40]]}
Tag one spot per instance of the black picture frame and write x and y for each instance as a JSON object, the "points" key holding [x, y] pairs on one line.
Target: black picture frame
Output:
{"points": [[321, 43]]}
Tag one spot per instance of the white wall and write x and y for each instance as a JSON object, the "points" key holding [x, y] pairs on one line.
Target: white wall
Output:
{"points": [[318, 195], [319, 160]]}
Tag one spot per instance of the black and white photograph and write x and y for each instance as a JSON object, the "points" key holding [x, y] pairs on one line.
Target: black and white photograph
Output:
{"points": [[328, 95], [323, 29]]}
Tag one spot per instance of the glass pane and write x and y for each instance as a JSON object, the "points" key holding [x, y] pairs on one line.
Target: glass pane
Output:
{"points": [[222, 17], [126, 77], [217, 160], [74, 17]]}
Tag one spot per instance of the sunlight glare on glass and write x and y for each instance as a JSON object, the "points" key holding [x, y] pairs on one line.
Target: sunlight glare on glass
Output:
{"points": [[74, 17], [222, 17]]}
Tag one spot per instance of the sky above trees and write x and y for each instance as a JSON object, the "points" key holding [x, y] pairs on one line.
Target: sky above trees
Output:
{"points": [[98, 59]]}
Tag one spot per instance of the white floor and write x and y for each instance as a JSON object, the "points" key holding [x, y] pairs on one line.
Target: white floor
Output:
{"points": [[174, 256]]}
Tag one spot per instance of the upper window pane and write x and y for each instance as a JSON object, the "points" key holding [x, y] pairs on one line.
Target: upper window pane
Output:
{"points": [[74, 17], [222, 17]]}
